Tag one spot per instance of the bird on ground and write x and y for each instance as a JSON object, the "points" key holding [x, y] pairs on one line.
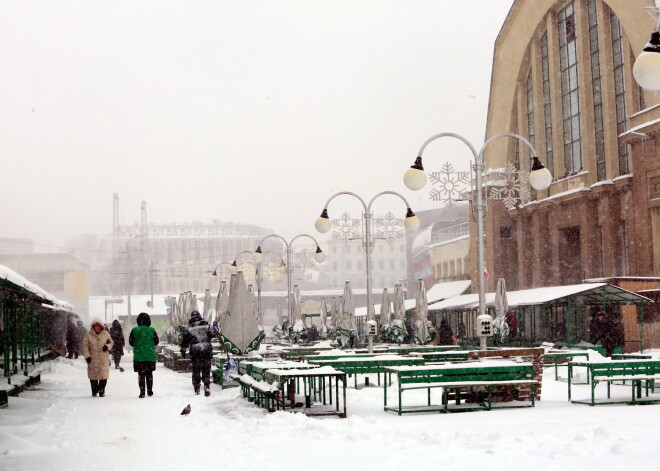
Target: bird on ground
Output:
{"points": [[186, 410]]}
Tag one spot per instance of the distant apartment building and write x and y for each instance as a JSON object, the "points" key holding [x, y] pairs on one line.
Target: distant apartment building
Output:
{"points": [[171, 258], [440, 250], [61, 274], [346, 260]]}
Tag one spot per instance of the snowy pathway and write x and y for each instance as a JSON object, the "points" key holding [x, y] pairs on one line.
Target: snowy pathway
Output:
{"points": [[59, 426]]}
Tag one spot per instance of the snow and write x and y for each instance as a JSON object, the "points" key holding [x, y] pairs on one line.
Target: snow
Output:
{"points": [[533, 296], [640, 127], [57, 426], [13, 277], [437, 293]]}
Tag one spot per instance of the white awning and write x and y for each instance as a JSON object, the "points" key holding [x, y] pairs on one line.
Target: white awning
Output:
{"points": [[437, 293], [548, 294]]}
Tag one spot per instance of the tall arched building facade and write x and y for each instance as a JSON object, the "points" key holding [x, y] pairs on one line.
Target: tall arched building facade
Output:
{"points": [[562, 78]]}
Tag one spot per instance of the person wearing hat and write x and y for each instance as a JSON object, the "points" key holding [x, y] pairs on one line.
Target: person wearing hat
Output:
{"points": [[96, 350], [144, 339], [197, 338]]}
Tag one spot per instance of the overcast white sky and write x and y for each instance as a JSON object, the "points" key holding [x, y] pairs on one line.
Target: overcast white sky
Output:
{"points": [[244, 111]]}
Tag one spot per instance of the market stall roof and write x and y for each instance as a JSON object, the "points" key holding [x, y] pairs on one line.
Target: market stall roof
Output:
{"points": [[438, 292], [10, 278], [590, 292]]}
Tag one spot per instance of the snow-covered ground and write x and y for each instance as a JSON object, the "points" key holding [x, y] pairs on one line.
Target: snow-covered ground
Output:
{"points": [[59, 426]]}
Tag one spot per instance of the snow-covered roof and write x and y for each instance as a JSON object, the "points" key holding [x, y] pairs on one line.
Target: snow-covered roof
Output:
{"points": [[435, 294], [422, 239], [11, 276], [538, 296]]}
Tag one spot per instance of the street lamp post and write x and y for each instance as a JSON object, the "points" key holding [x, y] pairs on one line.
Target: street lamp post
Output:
{"points": [[646, 69], [319, 257], [323, 224], [540, 178], [130, 280]]}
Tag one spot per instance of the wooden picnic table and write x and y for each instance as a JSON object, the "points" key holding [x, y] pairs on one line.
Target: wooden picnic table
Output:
{"points": [[505, 377], [634, 370], [366, 365], [258, 370], [442, 356], [406, 349], [317, 389], [556, 355], [631, 356]]}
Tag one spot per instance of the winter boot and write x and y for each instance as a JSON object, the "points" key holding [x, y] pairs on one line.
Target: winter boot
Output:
{"points": [[95, 387], [150, 385], [102, 384], [141, 381], [207, 389], [196, 388]]}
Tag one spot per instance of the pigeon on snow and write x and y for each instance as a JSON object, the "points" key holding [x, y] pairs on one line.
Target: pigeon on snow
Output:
{"points": [[186, 410]]}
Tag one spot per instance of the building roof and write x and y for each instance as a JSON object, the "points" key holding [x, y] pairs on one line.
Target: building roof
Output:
{"points": [[438, 292], [589, 292]]}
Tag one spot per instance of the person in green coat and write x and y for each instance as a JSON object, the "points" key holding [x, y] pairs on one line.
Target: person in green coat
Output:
{"points": [[144, 339]]}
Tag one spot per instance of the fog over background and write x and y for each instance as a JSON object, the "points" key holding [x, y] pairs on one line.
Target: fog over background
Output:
{"points": [[244, 111]]}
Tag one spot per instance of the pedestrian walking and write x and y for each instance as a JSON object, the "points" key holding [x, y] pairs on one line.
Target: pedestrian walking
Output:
{"points": [[117, 334], [96, 350], [197, 337], [82, 331], [72, 339], [144, 339]]}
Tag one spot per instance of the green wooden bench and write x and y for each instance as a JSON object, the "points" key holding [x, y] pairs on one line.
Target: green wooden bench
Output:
{"points": [[316, 397], [555, 355], [262, 393], [458, 355], [220, 362], [638, 372], [631, 356], [368, 365], [466, 381], [405, 350]]}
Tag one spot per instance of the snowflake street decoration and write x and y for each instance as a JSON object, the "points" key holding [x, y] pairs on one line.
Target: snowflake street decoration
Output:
{"points": [[389, 228], [271, 270], [450, 185], [509, 185], [346, 228], [303, 259], [248, 270]]}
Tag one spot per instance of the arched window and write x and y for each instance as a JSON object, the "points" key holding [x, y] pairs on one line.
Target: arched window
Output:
{"points": [[568, 65]]}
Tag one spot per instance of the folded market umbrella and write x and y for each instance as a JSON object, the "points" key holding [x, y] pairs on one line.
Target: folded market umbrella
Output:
{"points": [[279, 314], [422, 311], [240, 330], [207, 312], [398, 303], [385, 308], [221, 302], [335, 318], [348, 323], [296, 308], [324, 313]]}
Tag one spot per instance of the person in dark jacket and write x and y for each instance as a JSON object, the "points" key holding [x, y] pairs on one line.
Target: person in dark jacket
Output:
{"points": [[73, 339], [81, 336], [144, 339], [445, 333], [117, 334], [197, 338], [607, 331]]}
